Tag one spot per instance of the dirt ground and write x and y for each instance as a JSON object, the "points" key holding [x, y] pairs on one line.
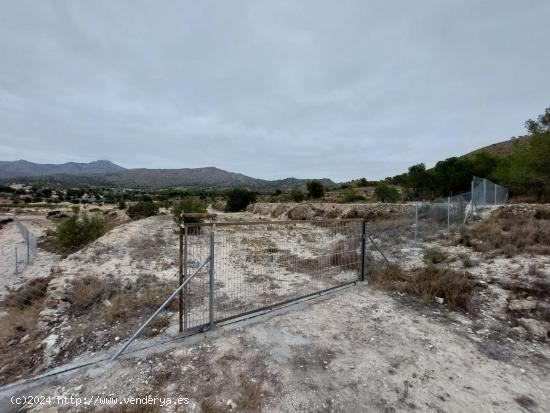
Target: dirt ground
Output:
{"points": [[354, 350]]}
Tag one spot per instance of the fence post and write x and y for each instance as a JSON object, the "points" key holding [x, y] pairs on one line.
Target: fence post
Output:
{"points": [[415, 221], [473, 193], [363, 246], [448, 215], [180, 264], [211, 300]]}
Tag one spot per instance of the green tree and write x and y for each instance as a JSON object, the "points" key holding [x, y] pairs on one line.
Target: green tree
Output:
{"points": [[142, 209], [74, 233], [527, 169], [189, 205], [351, 195], [315, 189], [238, 199], [386, 193], [418, 179], [297, 196]]}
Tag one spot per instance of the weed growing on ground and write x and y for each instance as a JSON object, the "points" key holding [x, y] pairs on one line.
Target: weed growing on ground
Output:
{"points": [[509, 236], [435, 256], [455, 287]]}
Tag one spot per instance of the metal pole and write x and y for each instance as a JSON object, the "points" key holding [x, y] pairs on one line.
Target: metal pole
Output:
{"points": [[473, 194], [211, 300], [363, 244], [187, 297], [484, 192], [158, 310], [415, 222], [180, 297], [448, 215]]}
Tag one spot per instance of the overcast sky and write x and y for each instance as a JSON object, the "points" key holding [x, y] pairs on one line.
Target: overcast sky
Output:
{"points": [[271, 89]]}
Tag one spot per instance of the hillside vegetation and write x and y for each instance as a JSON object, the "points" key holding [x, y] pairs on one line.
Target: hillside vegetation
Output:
{"points": [[524, 169]]}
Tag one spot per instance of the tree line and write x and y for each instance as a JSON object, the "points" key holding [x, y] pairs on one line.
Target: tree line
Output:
{"points": [[525, 171]]}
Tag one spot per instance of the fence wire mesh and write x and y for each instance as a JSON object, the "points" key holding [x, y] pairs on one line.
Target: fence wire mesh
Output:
{"points": [[260, 265], [21, 253], [96, 305]]}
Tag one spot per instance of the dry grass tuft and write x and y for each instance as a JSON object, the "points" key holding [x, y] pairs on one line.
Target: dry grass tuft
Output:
{"points": [[252, 397], [86, 292], [435, 256], [20, 335], [157, 326], [509, 236], [27, 294], [455, 287]]}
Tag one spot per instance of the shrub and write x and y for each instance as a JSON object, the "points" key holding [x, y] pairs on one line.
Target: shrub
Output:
{"points": [[142, 209], [435, 256], [238, 199], [86, 292], [467, 261], [542, 213], [188, 205], [315, 189], [297, 196], [386, 193], [509, 236], [122, 205], [351, 195], [73, 233], [455, 287], [27, 294]]}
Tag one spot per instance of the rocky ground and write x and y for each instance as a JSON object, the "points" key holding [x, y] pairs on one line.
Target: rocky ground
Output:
{"points": [[361, 349]]}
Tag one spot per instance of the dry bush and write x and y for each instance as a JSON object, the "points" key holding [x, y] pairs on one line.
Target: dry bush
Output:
{"points": [[20, 335], [467, 261], [435, 256], [252, 398], [542, 213], [157, 326], [20, 339], [455, 287], [86, 292], [27, 294], [128, 307], [509, 236]]}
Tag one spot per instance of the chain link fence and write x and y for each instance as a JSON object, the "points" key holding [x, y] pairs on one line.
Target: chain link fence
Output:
{"points": [[259, 265], [227, 270], [21, 253]]}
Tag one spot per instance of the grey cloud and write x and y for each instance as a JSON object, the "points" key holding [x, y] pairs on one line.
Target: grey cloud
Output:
{"points": [[269, 89]]}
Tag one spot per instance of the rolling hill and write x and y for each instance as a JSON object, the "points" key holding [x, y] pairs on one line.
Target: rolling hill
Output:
{"points": [[502, 148], [107, 173]]}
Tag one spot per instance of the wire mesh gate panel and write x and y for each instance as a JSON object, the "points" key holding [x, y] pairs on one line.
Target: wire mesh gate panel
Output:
{"points": [[258, 265]]}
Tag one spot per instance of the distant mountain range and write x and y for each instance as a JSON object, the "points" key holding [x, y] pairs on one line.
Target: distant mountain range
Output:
{"points": [[104, 172]]}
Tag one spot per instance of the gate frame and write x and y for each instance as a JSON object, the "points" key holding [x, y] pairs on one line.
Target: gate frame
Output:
{"points": [[183, 260]]}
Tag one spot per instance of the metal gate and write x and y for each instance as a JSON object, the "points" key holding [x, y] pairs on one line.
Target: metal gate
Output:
{"points": [[259, 265]]}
